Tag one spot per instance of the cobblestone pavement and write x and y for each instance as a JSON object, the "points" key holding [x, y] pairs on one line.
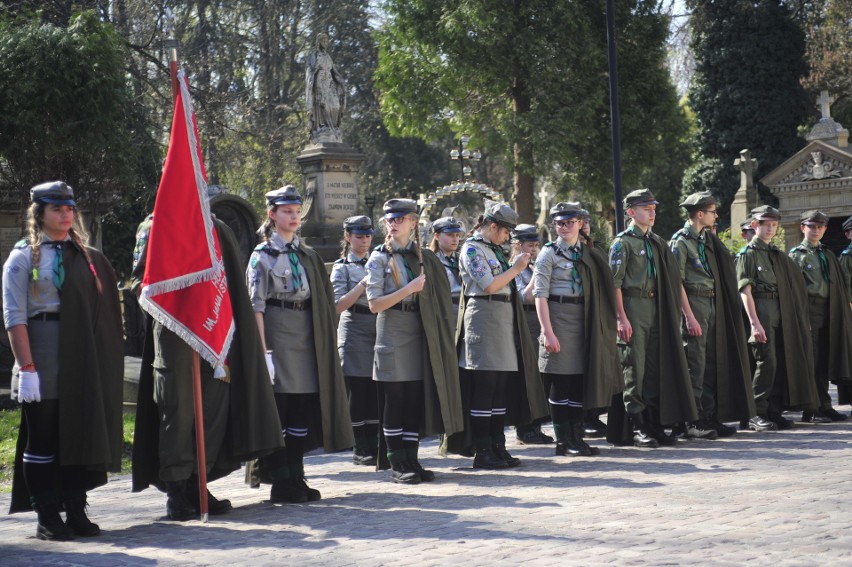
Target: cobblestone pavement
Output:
{"points": [[778, 498]]}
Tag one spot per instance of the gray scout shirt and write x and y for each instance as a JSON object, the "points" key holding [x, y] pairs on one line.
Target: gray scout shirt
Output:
{"points": [[521, 282], [346, 273], [380, 280], [452, 274], [18, 303], [556, 272], [479, 264], [272, 275]]}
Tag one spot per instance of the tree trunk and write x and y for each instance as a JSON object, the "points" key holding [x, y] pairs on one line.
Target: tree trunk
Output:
{"points": [[523, 194]]}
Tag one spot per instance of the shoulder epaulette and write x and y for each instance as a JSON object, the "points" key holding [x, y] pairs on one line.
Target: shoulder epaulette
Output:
{"points": [[22, 244], [682, 232], [623, 233], [797, 248], [847, 252], [266, 248], [341, 261], [550, 244]]}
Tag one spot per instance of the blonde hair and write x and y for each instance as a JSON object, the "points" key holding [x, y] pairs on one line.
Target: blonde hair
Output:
{"points": [[389, 249], [78, 234], [268, 226], [345, 245]]}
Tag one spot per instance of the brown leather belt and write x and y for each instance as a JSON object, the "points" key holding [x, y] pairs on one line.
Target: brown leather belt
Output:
{"points": [[500, 298], [566, 299], [294, 305], [639, 293], [700, 292]]}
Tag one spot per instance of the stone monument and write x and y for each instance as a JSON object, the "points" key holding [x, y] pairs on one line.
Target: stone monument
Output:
{"points": [[745, 198], [329, 166], [819, 176]]}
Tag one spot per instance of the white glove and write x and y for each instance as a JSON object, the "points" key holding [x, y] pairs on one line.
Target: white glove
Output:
{"points": [[270, 366], [28, 387]]}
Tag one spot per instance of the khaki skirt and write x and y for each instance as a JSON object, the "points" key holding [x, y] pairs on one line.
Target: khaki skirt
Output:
{"points": [[566, 320], [489, 336], [400, 354], [290, 336]]}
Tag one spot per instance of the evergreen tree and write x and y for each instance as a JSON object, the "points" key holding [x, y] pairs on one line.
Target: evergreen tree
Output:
{"points": [[746, 91]]}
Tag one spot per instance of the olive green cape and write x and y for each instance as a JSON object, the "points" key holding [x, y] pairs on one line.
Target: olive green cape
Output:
{"points": [[253, 427], [734, 393], [91, 358]]}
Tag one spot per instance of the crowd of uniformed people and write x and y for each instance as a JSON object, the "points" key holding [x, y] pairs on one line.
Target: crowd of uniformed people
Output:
{"points": [[459, 337]]}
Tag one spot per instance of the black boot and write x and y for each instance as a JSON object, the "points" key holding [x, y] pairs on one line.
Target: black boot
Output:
{"points": [[486, 459], [178, 508], [414, 463], [577, 431], [657, 431], [287, 490], [401, 470], [566, 443], [501, 453], [50, 525], [641, 435], [75, 515], [215, 507]]}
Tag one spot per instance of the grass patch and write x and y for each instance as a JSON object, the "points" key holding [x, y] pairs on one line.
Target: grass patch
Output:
{"points": [[9, 422]]}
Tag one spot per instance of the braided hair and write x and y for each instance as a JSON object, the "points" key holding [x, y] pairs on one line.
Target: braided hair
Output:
{"points": [[268, 226], [388, 246], [345, 245], [35, 226]]}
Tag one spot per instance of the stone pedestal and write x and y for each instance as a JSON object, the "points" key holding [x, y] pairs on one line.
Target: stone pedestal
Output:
{"points": [[330, 173]]}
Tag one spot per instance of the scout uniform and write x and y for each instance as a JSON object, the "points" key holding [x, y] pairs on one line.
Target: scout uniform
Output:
{"points": [[707, 274], [451, 262], [287, 282], [775, 284], [844, 390], [645, 271], [70, 388], [558, 281], [356, 340], [818, 266]]}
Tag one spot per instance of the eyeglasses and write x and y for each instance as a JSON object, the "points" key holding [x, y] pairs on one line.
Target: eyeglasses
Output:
{"points": [[396, 220], [567, 223], [711, 212]]}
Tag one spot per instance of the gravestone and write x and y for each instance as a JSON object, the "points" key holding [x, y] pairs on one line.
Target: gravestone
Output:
{"points": [[329, 166]]}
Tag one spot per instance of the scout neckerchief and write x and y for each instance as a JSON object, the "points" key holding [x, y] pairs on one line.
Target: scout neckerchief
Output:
{"points": [[573, 254], [452, 263], [688, 232], [650, 266], [292, 250], [498, 252], [58, 267], [823, 262]]}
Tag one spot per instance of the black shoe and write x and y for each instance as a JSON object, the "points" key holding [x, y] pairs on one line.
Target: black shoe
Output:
{"points": [[781, 421], [364, 457], [679, 431], [643, 439], [287, 490], [814, 417], [501, 453], [178, 507], [402, 473], [425, 475], [833, 414], [534, 437], [594, 428], [486, 459], [663, 438], [722, 429], [76, 519], [311, 493], [761, 423], [50, 525], [215, 507], [701, 430]]}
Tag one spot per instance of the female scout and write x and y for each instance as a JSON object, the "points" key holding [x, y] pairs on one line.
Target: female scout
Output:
{"points": [[292, 299], [490, 323], [407, 288], [60, 305], [445, 245], [356, 336], [567, 275]]}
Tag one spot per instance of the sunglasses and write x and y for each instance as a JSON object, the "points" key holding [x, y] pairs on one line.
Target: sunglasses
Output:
{"points": [[567, 223]]}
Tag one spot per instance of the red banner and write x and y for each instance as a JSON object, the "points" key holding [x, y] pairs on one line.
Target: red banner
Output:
{"points": [[184, 286]]}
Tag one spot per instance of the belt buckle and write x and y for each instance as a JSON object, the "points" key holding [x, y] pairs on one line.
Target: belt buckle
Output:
{"points": [[652, 294]]}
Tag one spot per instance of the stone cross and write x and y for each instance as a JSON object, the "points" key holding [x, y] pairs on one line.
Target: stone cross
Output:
{"points": [[544, 196], [824, 101], [747, 166]]}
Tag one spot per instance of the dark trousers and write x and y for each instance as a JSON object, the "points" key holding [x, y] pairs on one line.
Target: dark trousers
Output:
{"points": [[819, 317]]}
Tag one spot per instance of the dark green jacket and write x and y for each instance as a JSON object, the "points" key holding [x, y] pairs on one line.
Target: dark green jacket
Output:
{"points": [[253, 428], [839, 324], [91, 358]]}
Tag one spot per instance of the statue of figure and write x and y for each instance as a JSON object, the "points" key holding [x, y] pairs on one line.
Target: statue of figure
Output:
{"points": [[325, 94]]}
